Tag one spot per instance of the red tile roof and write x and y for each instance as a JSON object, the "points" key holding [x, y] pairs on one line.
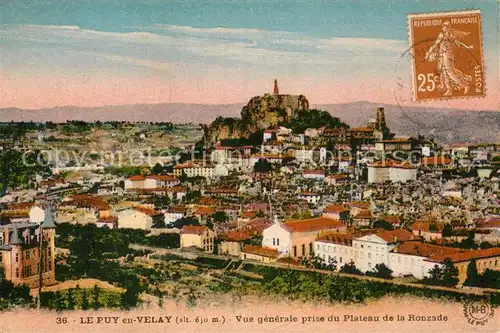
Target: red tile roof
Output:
{"points": [[204, 211], [364, 214], [392, 164], [314, 224], [147, 211], [468, 255], [193, 229], [424, 226], [237, 235], [136, 178], [336, 209], [399, 235], [424, 249], [393, 219], [261, 251], [248, 215], [163, 177], [20, 206]]}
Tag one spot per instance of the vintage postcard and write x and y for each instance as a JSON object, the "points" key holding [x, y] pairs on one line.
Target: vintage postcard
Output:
{"points": [[249, 166]]}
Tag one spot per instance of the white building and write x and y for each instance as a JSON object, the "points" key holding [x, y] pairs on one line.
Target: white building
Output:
{"points": [[394, 172], [365, 250], [192, 170], [313, 174], [310, 197], [150, 182], [137, 218], [304, 154]]}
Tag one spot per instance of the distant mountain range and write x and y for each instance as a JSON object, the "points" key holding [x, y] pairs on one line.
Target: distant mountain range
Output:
{"points": [[445, 125]]}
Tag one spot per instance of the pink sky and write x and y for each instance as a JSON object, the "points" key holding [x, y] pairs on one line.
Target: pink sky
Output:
{"points": [[48, 91]]}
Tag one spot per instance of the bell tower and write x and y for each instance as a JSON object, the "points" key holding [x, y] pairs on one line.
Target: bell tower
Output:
{"points": [[276, 89], [380, 124]]}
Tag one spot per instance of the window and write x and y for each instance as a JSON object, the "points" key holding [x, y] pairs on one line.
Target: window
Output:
{"points": [[310, 247], [303, 249], [295, 250], [27, 254], [340, 259], [278, 241], [1, 258], [369, 255], [274, 241], [26, 271], [1, 239], [17, 257], [17, 272]]}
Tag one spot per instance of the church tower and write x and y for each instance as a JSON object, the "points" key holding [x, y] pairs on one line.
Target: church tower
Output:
{"points": [[380, 125], [276, 90]]}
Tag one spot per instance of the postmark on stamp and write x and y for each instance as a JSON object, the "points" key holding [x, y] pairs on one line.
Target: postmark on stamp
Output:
{"points": [[447, 55]]}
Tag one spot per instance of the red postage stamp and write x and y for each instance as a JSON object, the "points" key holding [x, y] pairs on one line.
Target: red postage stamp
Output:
{"points": [[447, 55]]}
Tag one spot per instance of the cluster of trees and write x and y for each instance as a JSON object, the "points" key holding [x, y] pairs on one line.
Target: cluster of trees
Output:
{"points": [[76, 126], [489, 278], [445, 275], [78, 298], [317, 286], [11, 295], [313, 119], [380, 270], [18, 169], [468, 243]]}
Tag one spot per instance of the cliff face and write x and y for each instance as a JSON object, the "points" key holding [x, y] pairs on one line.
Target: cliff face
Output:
{"points": [[260, 113]]}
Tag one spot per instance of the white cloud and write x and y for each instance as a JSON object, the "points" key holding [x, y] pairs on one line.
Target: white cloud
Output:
{"points": [[158, 47]]}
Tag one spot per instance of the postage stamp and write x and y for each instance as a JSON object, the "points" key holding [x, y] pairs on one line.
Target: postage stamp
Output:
{"points": [[447, 55], [249, 166]]}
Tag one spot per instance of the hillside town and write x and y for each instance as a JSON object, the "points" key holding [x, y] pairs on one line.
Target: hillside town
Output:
{"points": [[284, 186]]}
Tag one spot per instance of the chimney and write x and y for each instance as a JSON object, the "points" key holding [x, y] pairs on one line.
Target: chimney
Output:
{"points": [[394, 239]]}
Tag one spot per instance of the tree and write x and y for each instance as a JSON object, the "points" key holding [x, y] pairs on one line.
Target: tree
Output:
{"points": [[383, 225], [12, 295], [447, 230], [70, 298], [472, 275], [157, 169], [490, 279], [381, 271], [130, 298], [262, 166], [95, 297], [58, 303], [84, 304], [442, 275], [220, 216], [350, 268], [469, 242]]}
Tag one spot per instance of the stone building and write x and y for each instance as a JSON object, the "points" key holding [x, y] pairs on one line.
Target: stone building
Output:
{"points": [[20, 252]]}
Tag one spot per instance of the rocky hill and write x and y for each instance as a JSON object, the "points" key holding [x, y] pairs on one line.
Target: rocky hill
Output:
{"points": [[261, 112]]}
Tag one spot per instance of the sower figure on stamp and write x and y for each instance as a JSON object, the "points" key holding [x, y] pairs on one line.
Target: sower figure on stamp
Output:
{"points": [[451, 78]]}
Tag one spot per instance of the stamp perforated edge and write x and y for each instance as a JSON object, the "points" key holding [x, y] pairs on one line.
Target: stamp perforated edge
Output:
{"points": [[409, 17]]}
